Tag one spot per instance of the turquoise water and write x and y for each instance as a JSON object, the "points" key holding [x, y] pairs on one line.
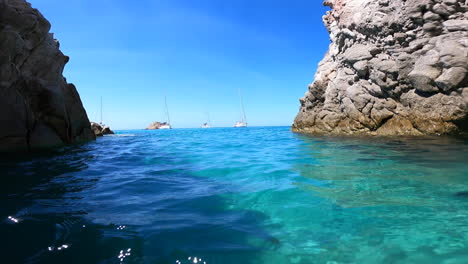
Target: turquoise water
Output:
{"points": [[254, 195]]}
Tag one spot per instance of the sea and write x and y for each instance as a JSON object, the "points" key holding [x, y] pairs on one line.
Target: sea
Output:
{"points": [[237, 195]]}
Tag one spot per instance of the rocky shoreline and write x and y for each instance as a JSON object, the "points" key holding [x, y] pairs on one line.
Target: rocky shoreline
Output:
{"points": [[393, 68], [38, 108]]}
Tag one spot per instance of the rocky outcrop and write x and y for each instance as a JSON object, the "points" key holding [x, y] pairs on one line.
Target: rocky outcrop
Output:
{"points": [[38, 108], [393, 68], [100, 130], [156, 125]]}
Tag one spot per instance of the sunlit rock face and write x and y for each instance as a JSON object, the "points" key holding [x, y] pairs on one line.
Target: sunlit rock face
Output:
{"points": [[394, 67], [38, 108]]}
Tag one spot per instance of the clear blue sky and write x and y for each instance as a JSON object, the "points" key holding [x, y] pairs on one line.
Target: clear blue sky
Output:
{"points": [[198, 53]]}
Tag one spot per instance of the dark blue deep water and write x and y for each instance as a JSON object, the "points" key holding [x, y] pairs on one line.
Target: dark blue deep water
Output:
{"points": [[254, 195]]}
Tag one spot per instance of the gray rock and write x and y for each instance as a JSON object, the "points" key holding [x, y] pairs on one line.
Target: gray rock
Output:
{"points": [[100, 130], [423, 78], [107, 131], [456, 25], [400, 37], [357, 53], [442, 9], [97, 129], [429, 16], [451, 78], [361, 68], [38, 108], [404, 73], [155, 125]]}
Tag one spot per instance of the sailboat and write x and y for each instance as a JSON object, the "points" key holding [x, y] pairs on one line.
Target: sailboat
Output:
{"points": [[243, 121], [207, 124], [167, 124], [101, 113]]}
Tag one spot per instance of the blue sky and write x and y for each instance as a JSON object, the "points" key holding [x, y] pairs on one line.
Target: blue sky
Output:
{"points": [[197, 53]]}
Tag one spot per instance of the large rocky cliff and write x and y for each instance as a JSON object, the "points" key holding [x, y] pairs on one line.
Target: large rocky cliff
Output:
{"points": [[394, 67], [38, 108]]}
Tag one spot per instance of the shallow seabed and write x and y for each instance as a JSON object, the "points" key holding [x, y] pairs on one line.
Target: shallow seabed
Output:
{"points": [[253, 195]]}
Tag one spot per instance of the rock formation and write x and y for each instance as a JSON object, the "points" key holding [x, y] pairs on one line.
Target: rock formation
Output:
{"points": [[38, 108], [156, 125], [100, 130], [393, 68]]}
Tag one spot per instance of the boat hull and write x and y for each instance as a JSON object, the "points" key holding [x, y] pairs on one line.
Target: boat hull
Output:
{"points": [[240, 124]]}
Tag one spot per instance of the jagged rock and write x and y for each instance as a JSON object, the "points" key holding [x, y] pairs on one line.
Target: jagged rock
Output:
{"points": [[100, 131], [38, 108], [156, 125], [393, 68], [107, 131], [97, 129]]}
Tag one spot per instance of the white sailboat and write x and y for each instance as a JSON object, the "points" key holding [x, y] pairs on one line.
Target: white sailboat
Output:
{"points": [[243, 121], [167, 124], [208, 123], [101, 113]]}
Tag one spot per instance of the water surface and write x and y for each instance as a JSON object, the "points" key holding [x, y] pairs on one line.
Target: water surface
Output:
{"points": [[254, 195]]}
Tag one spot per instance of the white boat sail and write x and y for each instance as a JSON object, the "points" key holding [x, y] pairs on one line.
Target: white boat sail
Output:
{"points": [[243, 121], [101, 113], [208, 123], [167, 124]]}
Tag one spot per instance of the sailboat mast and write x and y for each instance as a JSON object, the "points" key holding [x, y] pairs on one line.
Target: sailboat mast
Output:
{"points": [[243, 117], [101, 110], [167, 110]]}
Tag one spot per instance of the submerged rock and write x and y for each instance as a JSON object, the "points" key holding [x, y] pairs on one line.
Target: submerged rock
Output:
{"points": [[463, 194], [38, 108], [100, 130], [392, 68]]}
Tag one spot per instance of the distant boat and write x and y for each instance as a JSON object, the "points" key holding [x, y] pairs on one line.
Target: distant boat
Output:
{"points": [[167, 124], [207, 124], [243, 121]]}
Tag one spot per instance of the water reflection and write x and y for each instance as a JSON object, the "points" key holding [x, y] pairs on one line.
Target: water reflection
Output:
{"points": [[72, 199], [261, 196], [396, 198], [12, 219], [45, 192], [355, 172]]}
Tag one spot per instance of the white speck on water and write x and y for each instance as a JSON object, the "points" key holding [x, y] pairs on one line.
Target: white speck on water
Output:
{"points": [[11, 218], [195, 260], [123, 255]]}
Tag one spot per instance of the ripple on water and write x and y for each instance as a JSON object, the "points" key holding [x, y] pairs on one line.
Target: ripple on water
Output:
{"points": [[256, 195]]}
